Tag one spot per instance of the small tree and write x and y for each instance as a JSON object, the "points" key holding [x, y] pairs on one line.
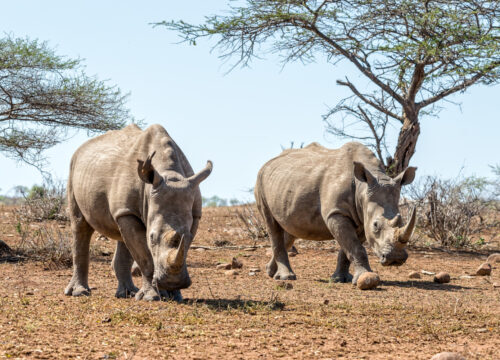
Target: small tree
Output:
{"points": [[42, 95], [414, 54]]}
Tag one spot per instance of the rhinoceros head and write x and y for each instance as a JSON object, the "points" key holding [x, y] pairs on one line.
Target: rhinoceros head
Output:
{"points": [[169, 219], [384, 228]]}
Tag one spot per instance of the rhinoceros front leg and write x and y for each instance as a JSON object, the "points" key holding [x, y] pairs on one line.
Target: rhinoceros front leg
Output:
{"points": [[134, 235], [122, 264], [344, 232], [341, 273], [82, 232]]}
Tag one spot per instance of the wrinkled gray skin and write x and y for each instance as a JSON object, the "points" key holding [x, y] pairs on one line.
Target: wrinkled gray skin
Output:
{"points": [[318, 194], [138, 188]]}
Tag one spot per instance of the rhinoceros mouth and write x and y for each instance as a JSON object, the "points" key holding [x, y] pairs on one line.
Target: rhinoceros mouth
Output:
{"points": [[393, 261]]}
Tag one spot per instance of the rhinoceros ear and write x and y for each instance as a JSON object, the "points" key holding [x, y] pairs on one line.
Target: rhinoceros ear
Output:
{"points": [[406, 177], [147, 172], [362, 174]]}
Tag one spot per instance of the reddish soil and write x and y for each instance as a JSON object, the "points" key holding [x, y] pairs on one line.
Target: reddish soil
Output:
{"points": [[252, 317]]}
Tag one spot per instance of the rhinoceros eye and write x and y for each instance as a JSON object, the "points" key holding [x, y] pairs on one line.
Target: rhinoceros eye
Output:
{"points": [[376, 226]]}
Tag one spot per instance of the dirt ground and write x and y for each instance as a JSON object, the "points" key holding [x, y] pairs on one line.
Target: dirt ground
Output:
{"points": [[251, 316]]}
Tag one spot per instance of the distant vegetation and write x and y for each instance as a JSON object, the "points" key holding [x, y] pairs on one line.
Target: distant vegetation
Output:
{"points": [[215, 201]]}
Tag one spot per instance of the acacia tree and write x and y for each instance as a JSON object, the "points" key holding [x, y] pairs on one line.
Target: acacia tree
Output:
{"points": [[43, 95], [414, 54]]}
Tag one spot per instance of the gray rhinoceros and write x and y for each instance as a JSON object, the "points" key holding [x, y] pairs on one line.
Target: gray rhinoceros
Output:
{"points": [[318, 194], [138, 188]]}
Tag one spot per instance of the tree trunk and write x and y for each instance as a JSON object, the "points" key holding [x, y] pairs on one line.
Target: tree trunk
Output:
{"points": [[405, 148]]}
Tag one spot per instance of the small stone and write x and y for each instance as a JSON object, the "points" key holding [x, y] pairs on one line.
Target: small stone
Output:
{"points": [[224, 266], [466, 277], [425, 272], [285, 285], [136, 271], [414, 275], [484, 270], [494, 258], [30, 293], [236, 264], [448, 356], [231, 272], [326, 302], [252, 273], [442, 278], [254, 269], [496, 285], [482, 330], [200, 249], [368, 280]]}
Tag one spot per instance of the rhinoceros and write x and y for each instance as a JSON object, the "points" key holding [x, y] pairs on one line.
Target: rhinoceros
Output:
{"points": [[344, 194], [138, 188]]}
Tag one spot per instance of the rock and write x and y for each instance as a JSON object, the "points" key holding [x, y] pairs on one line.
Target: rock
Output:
{"points": [[368, 280], [136, 271], [442, 278], [285, 285], [448, 356], [254, 269], [236, 264], [496, 284], [224, 266], [494, 258], [200, 249], [425, 272], [466, 277], [252, 273], [414, 275], [484, 269], [231, 272], [326, 302], [4, 248]]}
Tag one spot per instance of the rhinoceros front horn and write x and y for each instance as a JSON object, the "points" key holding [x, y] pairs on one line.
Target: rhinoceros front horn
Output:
{"points": [[407, 230], [196, 179], [176, 258]]}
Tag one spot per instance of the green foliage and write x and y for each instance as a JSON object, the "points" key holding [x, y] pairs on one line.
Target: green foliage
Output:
{"points": [[43, 95], [216, 201]]}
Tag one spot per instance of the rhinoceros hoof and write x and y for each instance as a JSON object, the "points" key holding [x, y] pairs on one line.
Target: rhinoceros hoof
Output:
{"points": [[342, 278], [126, 293], [77, 290], [148, 295], [284, 276], [271, 268], [174, 295]]}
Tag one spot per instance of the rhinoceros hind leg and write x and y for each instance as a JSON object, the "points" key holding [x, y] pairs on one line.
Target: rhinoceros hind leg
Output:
{"points": [[341, 274], [122, 263], [134, 235], [279, 266], [174, 295], [82, 232]]}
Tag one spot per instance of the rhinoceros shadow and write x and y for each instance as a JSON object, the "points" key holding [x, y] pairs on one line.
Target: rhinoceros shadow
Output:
{"points": [[425, 285], [237, 304]]}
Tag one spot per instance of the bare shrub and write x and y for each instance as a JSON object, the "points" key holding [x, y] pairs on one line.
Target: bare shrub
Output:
{"points": [[252, 222], [452, 211], [47, 202], [46, 242]]}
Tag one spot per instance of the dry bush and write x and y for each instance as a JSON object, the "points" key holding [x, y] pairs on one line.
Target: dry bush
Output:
{"points": [[45, 242], [452, 211], [252, 222], [47, 202]]}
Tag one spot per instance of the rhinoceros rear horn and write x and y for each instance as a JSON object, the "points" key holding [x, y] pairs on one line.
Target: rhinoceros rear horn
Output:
{"points": [[147, 172], [176, 258], [196, 179], [407, 230]]}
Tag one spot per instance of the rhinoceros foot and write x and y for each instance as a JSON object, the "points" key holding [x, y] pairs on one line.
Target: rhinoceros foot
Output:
{"points": [[126, 291], [284, 275], [174, 295], [341, 277], [77, 290], [148, 294]]}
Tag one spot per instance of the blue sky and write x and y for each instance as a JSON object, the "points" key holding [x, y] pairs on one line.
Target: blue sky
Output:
{"points": [[238, 120]]}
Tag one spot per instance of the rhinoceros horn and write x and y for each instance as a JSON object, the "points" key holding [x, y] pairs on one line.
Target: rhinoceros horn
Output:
{"points": [[406, 231], [196, 179], [176, 258]]}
